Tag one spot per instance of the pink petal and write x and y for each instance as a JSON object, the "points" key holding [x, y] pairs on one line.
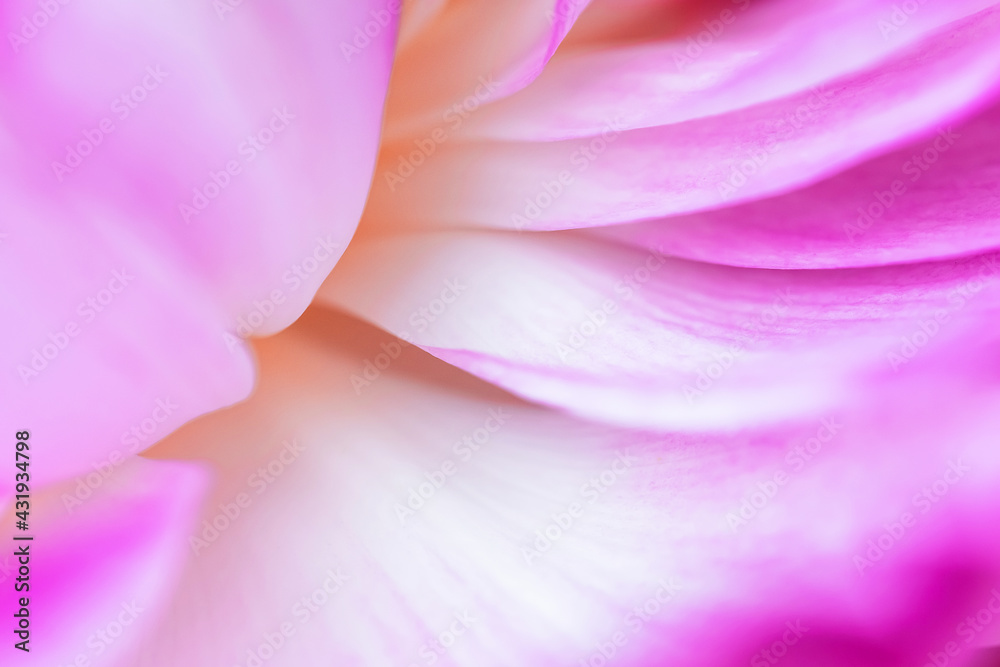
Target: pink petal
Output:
{"points": [[106, 554], [169, 102], [478, 51], [705, 163], [324, 464], [932, 199], [642, 340], [735, 55]]}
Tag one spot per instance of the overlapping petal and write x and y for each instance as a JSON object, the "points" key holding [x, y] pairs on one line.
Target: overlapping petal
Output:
{"points": [[107, 551], [478, 50], [707, 162], [744, 461], [425, 516], [930, 200], [176, 175], [729, 56], [639, 339]]}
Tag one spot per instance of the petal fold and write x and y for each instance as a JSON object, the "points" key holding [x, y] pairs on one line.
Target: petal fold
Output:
{"points": [[635, 338], [620, 175], [933, 199]]}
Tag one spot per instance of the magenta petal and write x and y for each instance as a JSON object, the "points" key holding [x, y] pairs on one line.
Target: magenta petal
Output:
{"points": [[936, 198], [622, 175], [103, 561], [177, 175], [738, 54], [642, 340]]}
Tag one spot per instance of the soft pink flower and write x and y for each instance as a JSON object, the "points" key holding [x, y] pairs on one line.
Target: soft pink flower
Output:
{"points": [[667, 334]]}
